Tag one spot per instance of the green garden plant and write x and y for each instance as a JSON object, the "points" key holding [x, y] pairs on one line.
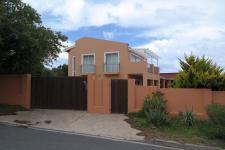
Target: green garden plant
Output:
{"points": [[216, 114], [154, 109], [188, 117]]}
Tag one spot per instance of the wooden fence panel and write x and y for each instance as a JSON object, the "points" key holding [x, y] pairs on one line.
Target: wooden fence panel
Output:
{"points": [[119, 95], [59, 93]]}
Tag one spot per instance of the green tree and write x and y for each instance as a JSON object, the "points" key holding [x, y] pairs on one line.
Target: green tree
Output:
{"points": [[26, 46], [199, 72], [61, 70]]}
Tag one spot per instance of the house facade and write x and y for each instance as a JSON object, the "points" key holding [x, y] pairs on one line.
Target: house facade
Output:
{"points": [[112, 60]]}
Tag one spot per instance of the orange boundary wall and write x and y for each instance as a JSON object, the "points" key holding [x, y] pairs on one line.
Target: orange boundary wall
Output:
{"points": [[178, 99], [15, 90]]}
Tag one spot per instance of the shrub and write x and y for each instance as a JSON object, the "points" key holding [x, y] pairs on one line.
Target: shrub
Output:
{"points": [[154, 109], [215, 132], [188, 117], [216, 114]]}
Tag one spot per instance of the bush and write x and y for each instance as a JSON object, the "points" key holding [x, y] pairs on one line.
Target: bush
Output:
{"points": [[215, 132], [216, 114], [154, 109], [188, 117]]}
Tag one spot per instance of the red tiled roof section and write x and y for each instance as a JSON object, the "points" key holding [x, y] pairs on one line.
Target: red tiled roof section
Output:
{"points": [[168, 75]]}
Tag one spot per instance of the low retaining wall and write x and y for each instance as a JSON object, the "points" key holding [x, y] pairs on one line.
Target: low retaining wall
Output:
{"points": [[15, 90]]}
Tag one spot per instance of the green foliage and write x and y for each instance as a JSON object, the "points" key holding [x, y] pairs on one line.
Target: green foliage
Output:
{"points": [[155, 109], [216, 114], [25, 44], [188, 117], [61, 70], [215, 131], [199, 72], [4, 108]]}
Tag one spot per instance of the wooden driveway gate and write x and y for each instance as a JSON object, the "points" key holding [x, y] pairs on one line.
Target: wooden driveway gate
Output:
{"points": [[119, 95], [59, 93]]}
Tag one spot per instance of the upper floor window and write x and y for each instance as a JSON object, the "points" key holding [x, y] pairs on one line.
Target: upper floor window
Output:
{"points": [[88, 63], [111, 60], [135, 58]]}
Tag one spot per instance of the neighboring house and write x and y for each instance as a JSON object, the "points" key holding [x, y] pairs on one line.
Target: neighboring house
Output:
{"points": [[113, 60], [166, 79]]}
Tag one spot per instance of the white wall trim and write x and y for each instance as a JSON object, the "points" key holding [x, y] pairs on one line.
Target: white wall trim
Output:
{"points": [[73, 65]]}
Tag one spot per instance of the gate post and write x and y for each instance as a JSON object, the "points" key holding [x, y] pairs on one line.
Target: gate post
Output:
{"points": [[26, 90], [131, 95], [99, 95]]}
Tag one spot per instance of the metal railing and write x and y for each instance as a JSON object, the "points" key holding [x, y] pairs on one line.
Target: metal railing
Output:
{"points": [[153, 69], [87, 68], [111, 68]]}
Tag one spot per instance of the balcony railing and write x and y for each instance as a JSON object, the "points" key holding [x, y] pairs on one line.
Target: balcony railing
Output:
{"points": [[111, 68], [87, 68], [153, 69]]}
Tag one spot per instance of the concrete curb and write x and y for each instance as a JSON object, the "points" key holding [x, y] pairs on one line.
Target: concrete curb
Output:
{"points": [[185, 146]]}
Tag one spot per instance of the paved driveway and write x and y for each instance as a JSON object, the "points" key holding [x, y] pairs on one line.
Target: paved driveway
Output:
{"points": [[106, 125]]}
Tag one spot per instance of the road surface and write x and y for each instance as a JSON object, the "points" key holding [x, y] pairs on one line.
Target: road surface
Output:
{"points": [[17, 138]]}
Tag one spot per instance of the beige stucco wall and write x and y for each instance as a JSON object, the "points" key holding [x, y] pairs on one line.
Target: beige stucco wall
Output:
{"points": [[99, 47]]}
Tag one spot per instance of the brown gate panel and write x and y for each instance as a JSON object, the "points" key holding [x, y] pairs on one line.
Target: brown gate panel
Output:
{"points": [[119, 96], [59, 93]]}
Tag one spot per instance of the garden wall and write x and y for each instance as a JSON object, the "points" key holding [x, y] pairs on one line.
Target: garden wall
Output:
{"points": [[15, 90], [178, 99], [219, 97]]}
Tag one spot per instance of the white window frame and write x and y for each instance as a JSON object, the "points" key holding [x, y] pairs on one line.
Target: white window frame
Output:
{"points": [[82, 58], [73, 65], [111, 52]]}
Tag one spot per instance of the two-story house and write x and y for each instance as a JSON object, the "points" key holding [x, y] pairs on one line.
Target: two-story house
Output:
{"points": [[111, 59]]}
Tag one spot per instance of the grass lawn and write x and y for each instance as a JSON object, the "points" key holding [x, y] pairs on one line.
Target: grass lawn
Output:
{"points": [[10, 109], [175, 130]]}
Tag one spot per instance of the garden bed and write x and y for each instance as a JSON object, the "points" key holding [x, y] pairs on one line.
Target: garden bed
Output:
{"points": [[175, 130]]}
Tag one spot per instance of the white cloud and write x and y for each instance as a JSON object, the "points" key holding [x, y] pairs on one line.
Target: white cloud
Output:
{"points": [[178, 26], [108, 34]]}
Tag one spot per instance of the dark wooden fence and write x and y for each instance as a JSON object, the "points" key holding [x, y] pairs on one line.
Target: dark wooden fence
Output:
{"points": [[59, 93], [119, 95]]}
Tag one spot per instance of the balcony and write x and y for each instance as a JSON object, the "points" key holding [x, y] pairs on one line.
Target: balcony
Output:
{"points": [[87, 68], [111, 68], [153, 69]]}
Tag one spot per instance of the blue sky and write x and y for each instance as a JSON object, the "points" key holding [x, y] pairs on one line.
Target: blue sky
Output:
{"points": [[168, 27]]}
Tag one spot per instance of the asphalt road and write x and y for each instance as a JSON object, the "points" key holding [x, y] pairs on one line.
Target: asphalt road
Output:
{"points": [[17, 138]]}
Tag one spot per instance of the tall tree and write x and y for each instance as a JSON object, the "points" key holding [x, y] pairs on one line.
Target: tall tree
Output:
{"points": [[61, 70], [199, 72], [25, 44]]}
